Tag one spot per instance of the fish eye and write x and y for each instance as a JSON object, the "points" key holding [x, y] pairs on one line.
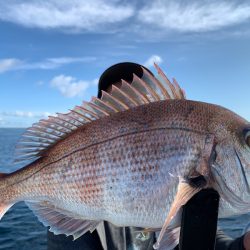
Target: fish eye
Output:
{"points": [[247, 137]]}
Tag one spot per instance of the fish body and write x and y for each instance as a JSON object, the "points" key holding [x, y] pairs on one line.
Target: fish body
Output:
{"points": [[126, 168], [119, 168]]}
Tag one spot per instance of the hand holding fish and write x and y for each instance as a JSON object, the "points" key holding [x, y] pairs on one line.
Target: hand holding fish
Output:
{"points": [[247, 241]]}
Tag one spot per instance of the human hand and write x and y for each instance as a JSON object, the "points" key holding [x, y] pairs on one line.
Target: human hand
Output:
{"points": [[246, 241]]}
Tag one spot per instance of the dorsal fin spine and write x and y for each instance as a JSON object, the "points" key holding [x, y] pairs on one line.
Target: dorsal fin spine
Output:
{"points": [[119, 95], [84, 112], [137, 85], [177, 90], [182, 93], [147, 87], [54, 120], [125, 95], [72, 115], [105, 94], [158, 83], [29, 154], [81, 115], [37, 136], [165, 79], [126, 86], [116, 100], [101, 103], [18, 160], [100, 109], [35, 130], [52, 126], [62, 118], [23, 142], [144, 99], [29, 148], [84, 109]]}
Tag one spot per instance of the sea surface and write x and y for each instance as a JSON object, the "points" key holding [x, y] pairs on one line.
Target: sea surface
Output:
{"points": [[20, 229]]}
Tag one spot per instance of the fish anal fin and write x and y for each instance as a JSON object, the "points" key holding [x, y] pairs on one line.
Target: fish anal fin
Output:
{"points": [[61, 221], [184, 193]]}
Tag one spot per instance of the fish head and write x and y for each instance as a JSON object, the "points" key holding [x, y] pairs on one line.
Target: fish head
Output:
{"points": [[230, 164]]}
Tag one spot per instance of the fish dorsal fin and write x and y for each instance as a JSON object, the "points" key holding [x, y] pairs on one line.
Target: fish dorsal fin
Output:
{"points": [[61, 221], [46, 133]]}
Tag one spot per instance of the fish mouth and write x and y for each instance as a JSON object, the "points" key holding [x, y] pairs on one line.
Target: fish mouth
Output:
{"points": [[225, 191]]}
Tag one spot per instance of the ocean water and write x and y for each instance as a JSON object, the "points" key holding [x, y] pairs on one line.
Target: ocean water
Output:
{"points": [[20, 229]]}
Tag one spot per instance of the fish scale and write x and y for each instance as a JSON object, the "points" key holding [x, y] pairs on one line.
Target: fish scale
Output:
{"points": [[114, 174]]}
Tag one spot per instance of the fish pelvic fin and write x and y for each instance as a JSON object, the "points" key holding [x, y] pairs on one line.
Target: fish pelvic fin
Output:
{"points": [[184, 193]]}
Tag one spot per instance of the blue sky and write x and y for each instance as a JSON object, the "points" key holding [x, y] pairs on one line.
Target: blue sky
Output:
{"points": [[52, 52]]}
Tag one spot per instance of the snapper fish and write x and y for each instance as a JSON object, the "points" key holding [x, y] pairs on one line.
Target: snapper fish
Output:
{"points": [[131, 158]]}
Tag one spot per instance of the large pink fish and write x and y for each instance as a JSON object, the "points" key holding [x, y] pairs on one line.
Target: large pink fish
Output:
{"points": [[130, 158]]}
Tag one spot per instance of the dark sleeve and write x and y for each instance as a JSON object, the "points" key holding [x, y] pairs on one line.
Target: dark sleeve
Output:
{"points": [[223, 242]]}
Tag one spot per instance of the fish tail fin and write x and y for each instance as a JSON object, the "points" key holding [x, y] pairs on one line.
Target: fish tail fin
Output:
{"points": [[4, 205]]}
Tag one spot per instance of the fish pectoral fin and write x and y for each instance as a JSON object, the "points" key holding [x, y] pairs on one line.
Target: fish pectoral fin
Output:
{"points": [[170, 239], [184, 193], [61, 221], [102, 235]]}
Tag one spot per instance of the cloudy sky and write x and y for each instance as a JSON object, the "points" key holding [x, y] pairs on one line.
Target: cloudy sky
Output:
{"points": [[52, 52]]}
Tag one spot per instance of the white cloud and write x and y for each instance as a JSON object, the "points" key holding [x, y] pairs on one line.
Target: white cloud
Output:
{"points": [[194, 16], [95, 82], [69, 86], [52, 63], [40, 83], [110, 16], [66, 14], [26, 114], [14, 119], [148, 17], [151, 60], [9, 64]]}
